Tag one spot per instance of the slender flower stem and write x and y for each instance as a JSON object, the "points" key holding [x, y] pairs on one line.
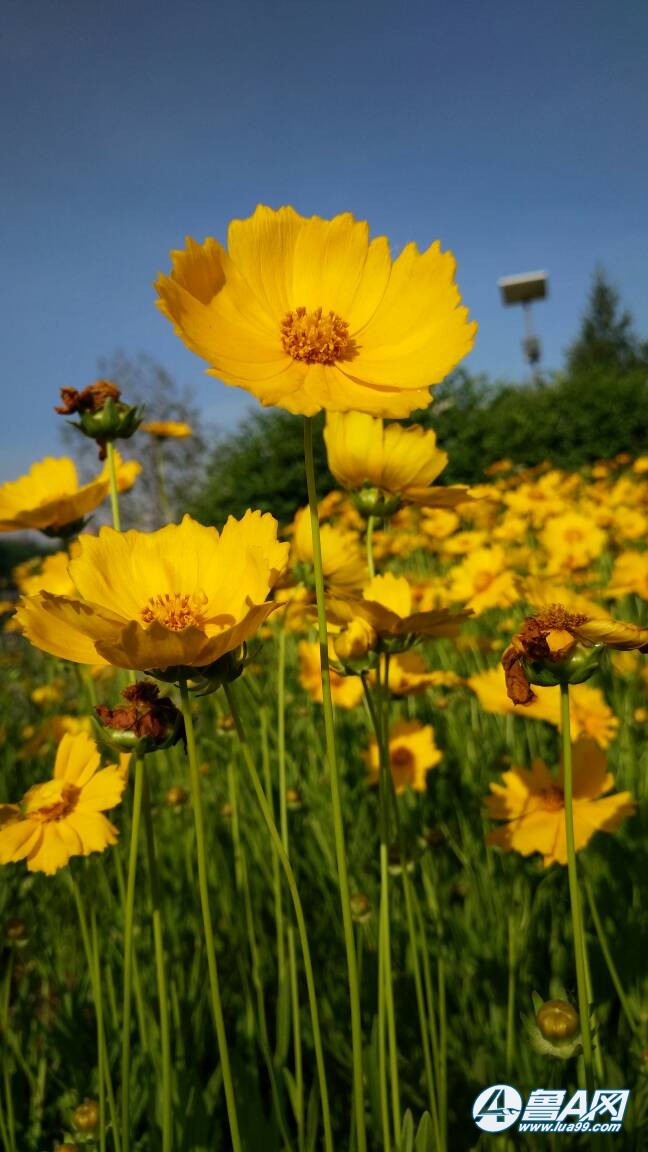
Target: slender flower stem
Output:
{"points": [[283, 825], [380, 718], [510, 1000], [574, 893], [607, 956], [371, 521], [91, 949], [160, 971], [112, 476], [129, 921], [299, 912], [336, 799], [214, 987]]}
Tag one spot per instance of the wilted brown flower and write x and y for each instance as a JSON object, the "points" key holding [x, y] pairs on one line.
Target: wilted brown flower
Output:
{"points": [[90, 399], [146, 714]]}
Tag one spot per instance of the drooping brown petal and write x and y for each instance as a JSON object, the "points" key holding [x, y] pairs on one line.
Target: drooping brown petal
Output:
{"points": [[90, 399], [517, 686]]}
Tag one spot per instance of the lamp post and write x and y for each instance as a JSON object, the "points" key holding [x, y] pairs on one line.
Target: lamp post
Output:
{"points": [[523, 289]]}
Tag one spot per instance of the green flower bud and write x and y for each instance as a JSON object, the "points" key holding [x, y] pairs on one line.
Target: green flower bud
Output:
{"points": [[373, 502]]}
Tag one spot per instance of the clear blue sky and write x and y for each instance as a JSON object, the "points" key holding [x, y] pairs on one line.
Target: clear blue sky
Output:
{"points": [[514, 132]]}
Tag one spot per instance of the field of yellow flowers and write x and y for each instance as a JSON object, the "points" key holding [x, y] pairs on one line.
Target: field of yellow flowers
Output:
{"points": [[312, 832]]}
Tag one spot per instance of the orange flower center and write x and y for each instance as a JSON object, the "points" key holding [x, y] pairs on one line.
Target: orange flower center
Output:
{"points": [[556, 618], [315, 338], [402, 764], [573, 535], [175, 611], [553, 798], [482, 581], [58, 809]]}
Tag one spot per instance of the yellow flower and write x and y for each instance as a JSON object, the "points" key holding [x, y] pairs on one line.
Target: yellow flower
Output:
{"points": [[181, 597], [533, 805], [412, 753], [386, 605], [483, 581], [399, 462], [343, 562], [50, 498], [439, 523], [590, 715], [46, 574], [308, 314], [46, 694], [408, 675], [629, 575], [346, 691], [167, 429], [64, 817], [571, 541]]}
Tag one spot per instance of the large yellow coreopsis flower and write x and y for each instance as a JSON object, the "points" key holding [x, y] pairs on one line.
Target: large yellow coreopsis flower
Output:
{"points": [[401, 463], [51, 499], [65, 816], [180, 597], [412, 753], [533, 805], [309, 314]]}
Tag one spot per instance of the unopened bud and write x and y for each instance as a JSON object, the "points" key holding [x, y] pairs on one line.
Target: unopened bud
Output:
{"points": [[361, 909], [293, 798], [557, 1020], [373, 502], [86, 1117], [176, 796], [580, 663], [354, 643]]}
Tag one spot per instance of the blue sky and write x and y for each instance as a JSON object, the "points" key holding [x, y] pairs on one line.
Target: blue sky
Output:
{"points": [[514, 133]]}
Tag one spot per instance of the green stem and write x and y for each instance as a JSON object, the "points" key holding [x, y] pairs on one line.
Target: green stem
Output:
{"points": [[93, 960], [380, 718], [510, 1000], [607, 956], [129, 921], [574, 893], [336, 800], [163, 502], [160, 970], [283, 825], [112, 476], [214, 987], [299, 912], [371, 521]]}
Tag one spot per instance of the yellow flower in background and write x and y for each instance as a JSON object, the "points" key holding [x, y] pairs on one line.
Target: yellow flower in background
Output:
{"points": [[571, 541], [484, 580], [46, 574], [347, 691], [167, 429], [542, 593], [462, 543], [343, 561], [408, 675], [399, 462], [50, 498], [538, 499], [180, 597], [533, 805], [439, 523], [640, 465], [629, 575], [412, 754], [65, 816], [309, 314], [590, 715], [45, 694]]}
